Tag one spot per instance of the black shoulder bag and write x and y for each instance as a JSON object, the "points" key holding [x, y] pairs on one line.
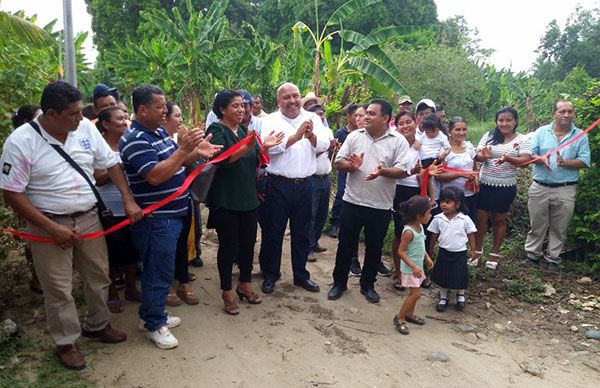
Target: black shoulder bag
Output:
{"points": [[107, 218]]}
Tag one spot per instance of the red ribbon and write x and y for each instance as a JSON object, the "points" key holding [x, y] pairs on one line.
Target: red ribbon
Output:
{"points": [[188, 181], [426, 174]]}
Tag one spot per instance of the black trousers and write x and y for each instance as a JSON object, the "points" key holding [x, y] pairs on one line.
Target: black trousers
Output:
{"points": [[236, 231], [375, 223], [181, 254]]}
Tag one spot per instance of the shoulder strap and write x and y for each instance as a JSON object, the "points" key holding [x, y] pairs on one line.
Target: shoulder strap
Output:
{"points": [[75, 166]]}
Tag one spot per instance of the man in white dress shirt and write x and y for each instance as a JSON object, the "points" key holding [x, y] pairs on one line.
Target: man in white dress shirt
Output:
{"points": [[289, 187]]}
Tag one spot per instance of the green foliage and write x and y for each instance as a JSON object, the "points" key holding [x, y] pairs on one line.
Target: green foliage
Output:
{"points": [[583, 233], [524, 288]]}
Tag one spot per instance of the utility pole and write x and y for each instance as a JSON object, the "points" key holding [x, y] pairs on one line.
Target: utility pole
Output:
{"points": [[70, 69]]}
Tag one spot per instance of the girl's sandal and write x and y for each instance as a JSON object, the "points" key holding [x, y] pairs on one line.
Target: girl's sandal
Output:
{"points": [[400, 326], [492, 264], [397, 284], [414, 319]]}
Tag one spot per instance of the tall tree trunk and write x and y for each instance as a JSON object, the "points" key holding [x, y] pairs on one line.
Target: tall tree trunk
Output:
{"points": [[316, 86]]}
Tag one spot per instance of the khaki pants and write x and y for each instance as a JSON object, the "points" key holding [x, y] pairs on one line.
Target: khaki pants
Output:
{"points": [[54, 267], [550, 212]]}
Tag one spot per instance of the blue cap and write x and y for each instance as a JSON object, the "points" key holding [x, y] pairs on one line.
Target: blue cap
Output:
{"points": [[246, 96], [102, 90]]}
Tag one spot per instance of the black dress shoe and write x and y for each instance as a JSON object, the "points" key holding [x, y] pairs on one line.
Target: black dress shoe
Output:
{"points": [[370, 294], [318, 249], [336, 292], [308, 285], [268, 286]]}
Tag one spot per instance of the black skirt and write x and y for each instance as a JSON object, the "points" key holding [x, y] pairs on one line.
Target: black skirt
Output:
{"points": [[450, 270]]}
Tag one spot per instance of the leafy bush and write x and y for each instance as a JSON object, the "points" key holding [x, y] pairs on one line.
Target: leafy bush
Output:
{"points": [[583, 233]]}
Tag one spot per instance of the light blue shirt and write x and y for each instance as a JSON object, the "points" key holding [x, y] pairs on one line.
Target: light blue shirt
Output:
{"points": [[544, 140]]}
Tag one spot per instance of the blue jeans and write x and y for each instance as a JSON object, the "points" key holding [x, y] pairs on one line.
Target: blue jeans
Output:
{"points": [[336, 209], [285, 200], [156, 240], [320, 206]]}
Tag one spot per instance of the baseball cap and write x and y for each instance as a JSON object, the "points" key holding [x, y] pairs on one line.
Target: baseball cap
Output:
{"points": [[403, 99], [427, 102], [246, 96], [102, 90]]}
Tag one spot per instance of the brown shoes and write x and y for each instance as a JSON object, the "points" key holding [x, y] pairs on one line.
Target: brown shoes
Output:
{"points": [[107, 335], [70, 356]]}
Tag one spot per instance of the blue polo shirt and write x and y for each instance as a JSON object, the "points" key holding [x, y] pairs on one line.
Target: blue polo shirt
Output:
{"points": [[141, 150], [544, 140]]}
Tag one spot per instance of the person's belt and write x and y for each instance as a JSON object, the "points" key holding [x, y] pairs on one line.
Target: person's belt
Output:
{"points": [[555, 184], [324, 176], [280, 178], [71, 215]]}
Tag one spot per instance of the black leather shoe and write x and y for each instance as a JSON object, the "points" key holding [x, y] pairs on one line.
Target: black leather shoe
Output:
{"points": [[318, 249], [336, 292], [268, 286], [308, 285], [370, 294]]}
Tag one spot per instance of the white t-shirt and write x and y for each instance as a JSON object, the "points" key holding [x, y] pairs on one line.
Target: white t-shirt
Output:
{"points": [[411, 180], [454, 233], [432, 147], [32, 167], [461, 161], [299, 160]]}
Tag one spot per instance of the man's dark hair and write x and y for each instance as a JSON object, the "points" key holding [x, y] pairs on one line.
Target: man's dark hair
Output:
{"points": [[58, 95], [351, 109], [386, 107], [89, 112], [223, 99], [142, 95]]}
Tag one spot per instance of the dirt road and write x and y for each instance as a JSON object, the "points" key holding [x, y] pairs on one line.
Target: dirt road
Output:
{"points": [[300, 339]]}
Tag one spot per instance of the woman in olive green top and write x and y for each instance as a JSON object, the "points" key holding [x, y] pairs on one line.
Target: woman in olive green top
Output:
{"points": [[232, 197]]}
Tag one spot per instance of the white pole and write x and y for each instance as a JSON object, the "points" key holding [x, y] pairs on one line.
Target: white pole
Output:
{"points": [[70, 69]]}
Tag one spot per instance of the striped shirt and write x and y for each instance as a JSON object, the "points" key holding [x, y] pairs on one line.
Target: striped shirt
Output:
{"points": [[504, 174], [141, 150]]}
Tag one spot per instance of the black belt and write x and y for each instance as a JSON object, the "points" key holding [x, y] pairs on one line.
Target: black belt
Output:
{"points": [[295, 181], [71, 215], [324, 176], [555, 184]]}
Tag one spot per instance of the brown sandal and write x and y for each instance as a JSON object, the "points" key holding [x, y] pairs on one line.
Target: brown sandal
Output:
{"points": [[173, 299], [230, 306], [188, 296], [251, 296]]}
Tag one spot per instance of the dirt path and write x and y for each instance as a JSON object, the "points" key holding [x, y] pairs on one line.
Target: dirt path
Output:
{"points": [[300, 339]]}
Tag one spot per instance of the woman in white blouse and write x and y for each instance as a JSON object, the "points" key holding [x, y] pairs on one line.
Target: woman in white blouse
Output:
{"points": [[500, 150]]}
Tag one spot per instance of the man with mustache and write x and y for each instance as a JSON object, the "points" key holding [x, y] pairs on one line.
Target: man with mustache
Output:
{"points": [[289, 187]]}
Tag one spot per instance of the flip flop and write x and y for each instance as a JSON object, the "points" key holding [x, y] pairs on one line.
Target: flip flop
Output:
{"points": [[414, 319]]}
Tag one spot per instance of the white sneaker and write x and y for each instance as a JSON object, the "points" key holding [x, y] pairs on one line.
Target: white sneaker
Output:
{"points": [[171, 323], [491, 264], [163, 338]]}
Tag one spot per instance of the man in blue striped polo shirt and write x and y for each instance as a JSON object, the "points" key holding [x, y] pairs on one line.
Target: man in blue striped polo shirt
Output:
{"points": [[154, 167]]}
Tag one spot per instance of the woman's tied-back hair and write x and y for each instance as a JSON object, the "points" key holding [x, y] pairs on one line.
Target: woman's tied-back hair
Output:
{"points": [[415, 207]]}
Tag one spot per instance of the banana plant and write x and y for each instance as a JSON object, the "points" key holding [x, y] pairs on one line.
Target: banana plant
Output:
{"points": [[319, 36]]}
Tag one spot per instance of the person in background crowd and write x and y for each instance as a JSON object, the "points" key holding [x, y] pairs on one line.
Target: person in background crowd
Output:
{"points": [[460, 156], [500, 150], [552, 193], [89, 112], [183, 291], [154, 165], [122, 255], [25, 114], [321, 189], [423, 108], [103, 97], [441, 113], [406, 187], [290, 189], [373, 157], [57, 202], [257, 107], [405, 104], [249, 121], [232, 197]]}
